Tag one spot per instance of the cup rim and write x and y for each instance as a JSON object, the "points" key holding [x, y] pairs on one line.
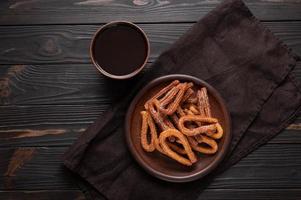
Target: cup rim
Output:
{"points": [[100, 69]]}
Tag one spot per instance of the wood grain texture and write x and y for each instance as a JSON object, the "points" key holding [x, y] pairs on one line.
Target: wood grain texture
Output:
{"points": [[59, 84], [260, 170], [43, 170], [55, 116], [50, 105], [64, 84], [70, 44], [99, 11], [24, 137], [50, 93], [43, 195], [18, 159], [210, 194]]}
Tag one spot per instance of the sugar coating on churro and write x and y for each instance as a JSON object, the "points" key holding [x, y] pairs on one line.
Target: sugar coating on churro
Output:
{"points": [[177, 121]]}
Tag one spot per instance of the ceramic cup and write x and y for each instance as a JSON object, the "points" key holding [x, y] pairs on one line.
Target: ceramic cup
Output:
{"points": [[119, 49]]}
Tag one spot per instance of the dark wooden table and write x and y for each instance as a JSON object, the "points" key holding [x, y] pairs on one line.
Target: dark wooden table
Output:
{"points": [[50, 92]]}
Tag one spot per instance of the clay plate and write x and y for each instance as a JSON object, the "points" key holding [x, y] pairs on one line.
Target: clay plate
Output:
{"points": [[159, 165]]}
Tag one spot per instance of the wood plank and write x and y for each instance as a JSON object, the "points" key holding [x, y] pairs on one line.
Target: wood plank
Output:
{"points": [[52, 105], [209, 194], [70, 44], [14, 118], [43, 195], [54, 115], [59, 84], [63, 84], [270, 167], [99, 11], [64, 136], [34, 169]]}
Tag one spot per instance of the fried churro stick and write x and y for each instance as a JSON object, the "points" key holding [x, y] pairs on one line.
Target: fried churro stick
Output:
{"points": [[172, 154], [196, 141], [215, 134], [192, 99], [157, 116], [197, 130], [148, 123], [176, 148], [180, 111], [203, 102], [205, 110], [175, 120], [173, 146], [193, 109], [172, 107], [173, 93], [211, 133], [168, 123], [158, 147], [169, 96], [189, 85], [183, 116], [187, 94], [162, 92], [186, 111], [218, 134], [163, 123]]}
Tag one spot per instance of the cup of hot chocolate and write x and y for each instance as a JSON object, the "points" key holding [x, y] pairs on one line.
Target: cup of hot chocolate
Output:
{"points": [[119, 50]]}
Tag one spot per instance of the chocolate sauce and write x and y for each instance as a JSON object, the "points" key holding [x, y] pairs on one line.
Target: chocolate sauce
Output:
{"points": [[120, 49]]}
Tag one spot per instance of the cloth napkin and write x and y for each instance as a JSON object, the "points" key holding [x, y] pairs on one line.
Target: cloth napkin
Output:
{"points": [[231, 50]]}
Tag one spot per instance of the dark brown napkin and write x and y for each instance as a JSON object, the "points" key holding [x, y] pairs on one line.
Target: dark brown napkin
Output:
{"points": [[237, 55]]}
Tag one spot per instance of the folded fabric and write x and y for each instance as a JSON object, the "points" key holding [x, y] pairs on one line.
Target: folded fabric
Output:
{"points": [[230, 49]]}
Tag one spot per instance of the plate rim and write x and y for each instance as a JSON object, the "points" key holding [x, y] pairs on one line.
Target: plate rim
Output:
{"points": [[152, 171]]}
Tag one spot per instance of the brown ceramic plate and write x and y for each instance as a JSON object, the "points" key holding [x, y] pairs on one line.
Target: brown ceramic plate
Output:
{"points": [[159, 165]]}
